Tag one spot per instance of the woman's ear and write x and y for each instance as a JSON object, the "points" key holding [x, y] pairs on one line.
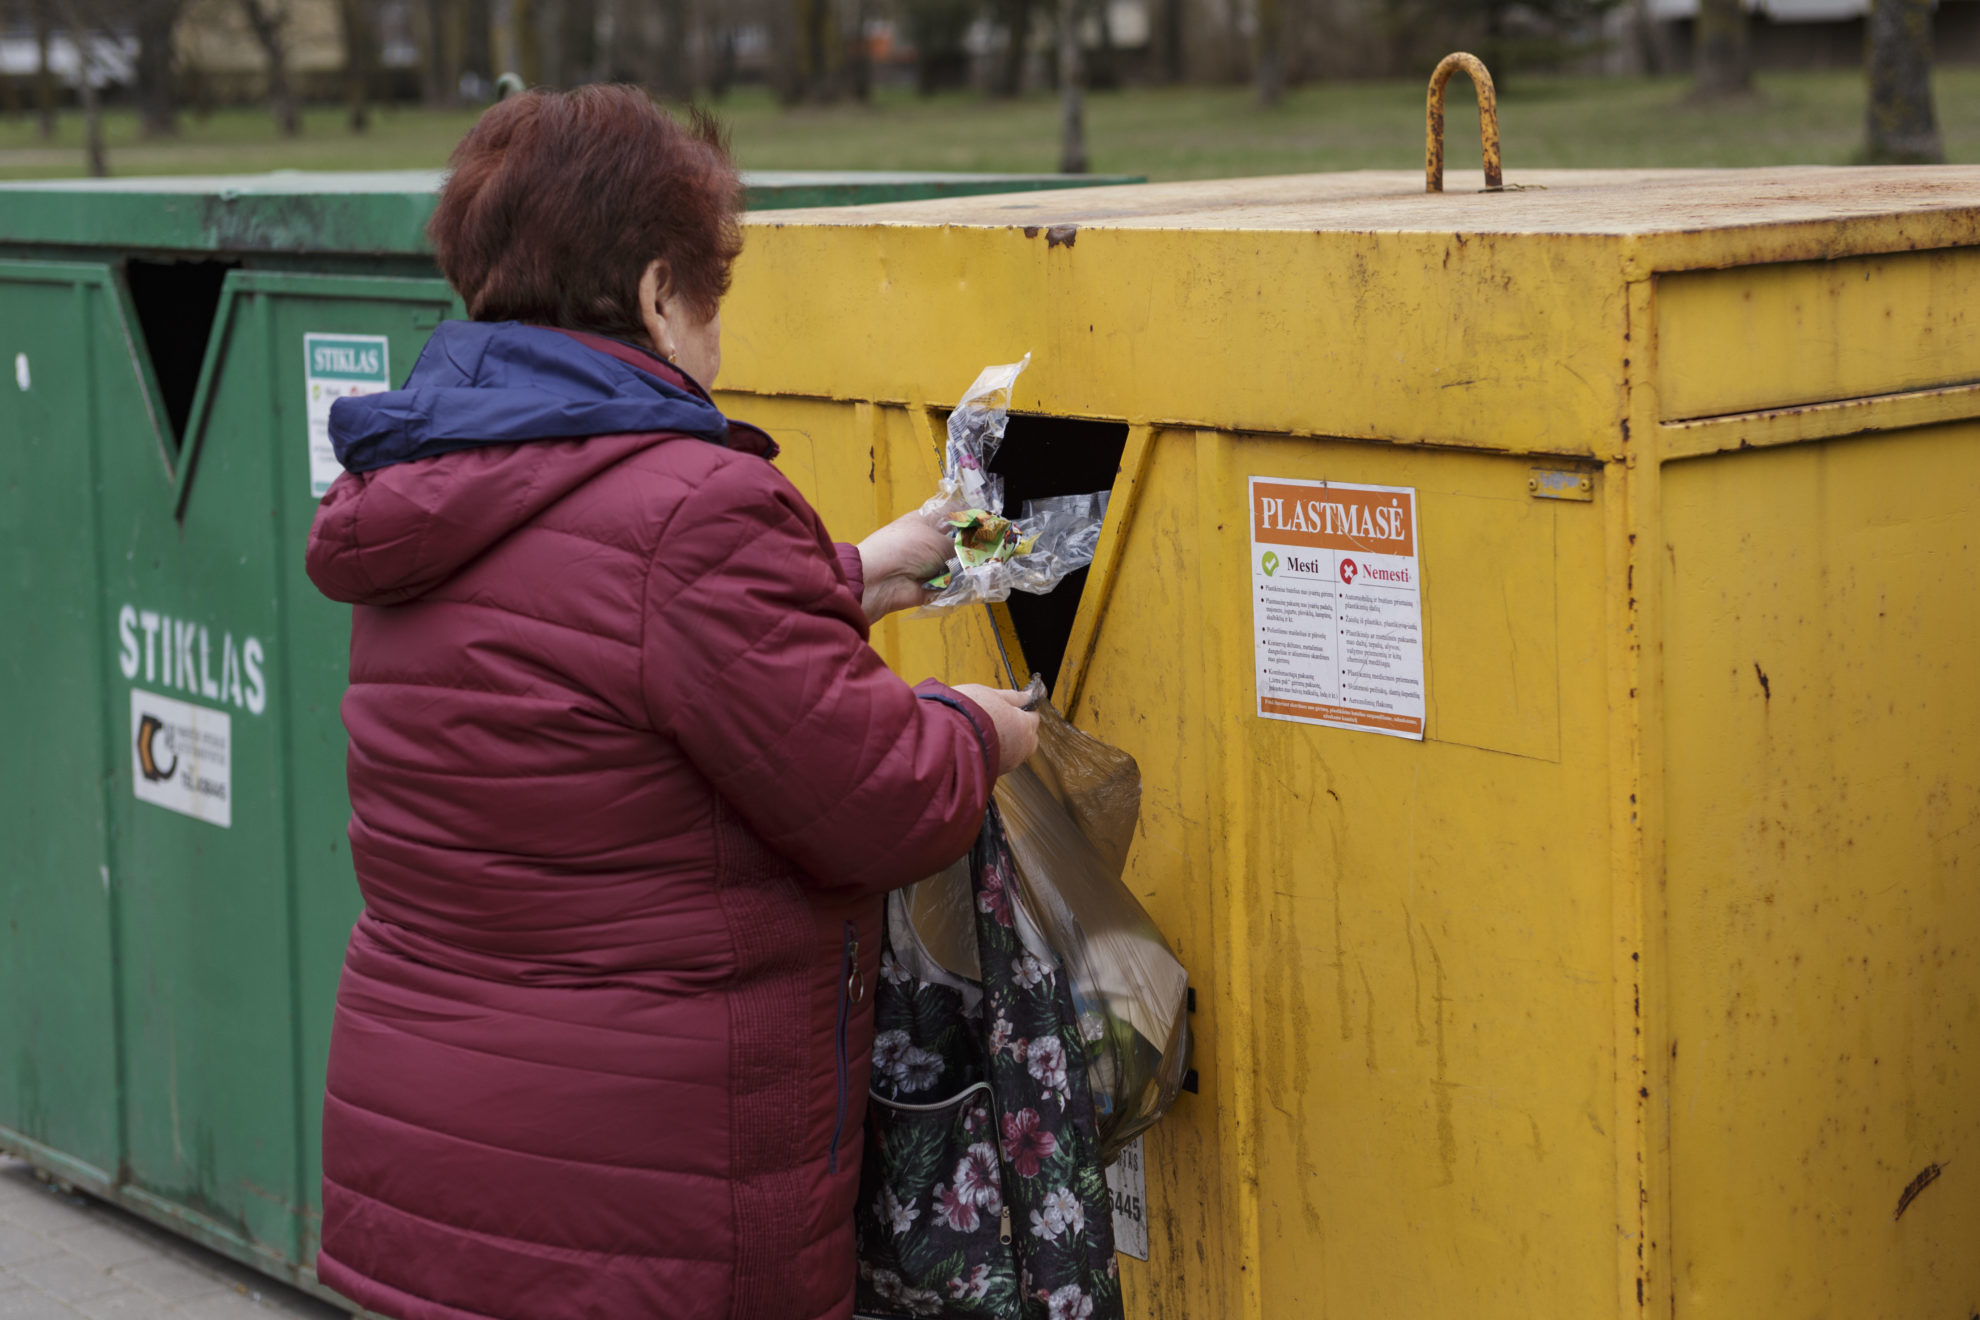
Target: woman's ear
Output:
{"points": [[652, 310]]}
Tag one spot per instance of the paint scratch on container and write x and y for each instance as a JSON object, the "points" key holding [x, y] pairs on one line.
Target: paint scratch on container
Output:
{"points": [[1368, 1028], [1926, 1177], [1442, 1084], [172, 1091]]}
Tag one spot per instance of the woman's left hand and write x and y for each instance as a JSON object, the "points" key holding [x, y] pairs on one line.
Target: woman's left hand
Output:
{"points": [[897, 559]]}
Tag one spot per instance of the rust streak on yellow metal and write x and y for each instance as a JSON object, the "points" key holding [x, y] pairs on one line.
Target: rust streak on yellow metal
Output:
{"points": [[1488, 120]]}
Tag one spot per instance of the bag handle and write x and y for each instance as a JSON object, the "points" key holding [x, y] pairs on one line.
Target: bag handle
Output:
{"points": [[906, 1108]]}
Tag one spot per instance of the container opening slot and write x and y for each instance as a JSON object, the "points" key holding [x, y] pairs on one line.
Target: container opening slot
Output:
{"points": [[175, 303], [1054, 456]]}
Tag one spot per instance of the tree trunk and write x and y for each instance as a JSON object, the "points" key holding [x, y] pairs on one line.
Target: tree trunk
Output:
{"points": [[938, 31], [821, 48], [99, 165], [1017, 26], [859, 57], [1100, 67], [1902, 129], [360, 56], [44, 77], [154, 21], [786, 20], [722, 62], [440, 71], [1169, 16], [1269, 66], [1723, 63], [577, 41], [1072, 107], [673, 78], [267, 23], [477, 46], [1647, 40], [526, 26]]}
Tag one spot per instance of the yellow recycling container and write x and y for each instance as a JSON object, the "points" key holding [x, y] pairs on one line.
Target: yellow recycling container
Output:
{"points": [[1547, 624]]}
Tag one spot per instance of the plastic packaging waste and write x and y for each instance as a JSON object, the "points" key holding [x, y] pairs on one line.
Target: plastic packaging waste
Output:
{"points": [[1069, 816], [996, 555]]}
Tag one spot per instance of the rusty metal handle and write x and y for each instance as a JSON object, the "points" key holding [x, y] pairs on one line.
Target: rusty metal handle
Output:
{"points": [[1488, 121]]}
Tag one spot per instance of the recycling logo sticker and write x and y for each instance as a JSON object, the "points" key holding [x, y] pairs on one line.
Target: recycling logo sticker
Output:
{"points": [[182, 757]]}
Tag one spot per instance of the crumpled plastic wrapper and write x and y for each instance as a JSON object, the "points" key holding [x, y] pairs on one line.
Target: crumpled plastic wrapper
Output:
{"points": [[1069, 816], [995, 554]]}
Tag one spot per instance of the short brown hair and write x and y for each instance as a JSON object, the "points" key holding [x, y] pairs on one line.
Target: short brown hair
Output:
{"points": [[558, 200]]}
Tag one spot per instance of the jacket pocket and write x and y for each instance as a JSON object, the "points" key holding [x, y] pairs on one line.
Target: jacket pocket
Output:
{"points": [[852, 991]]}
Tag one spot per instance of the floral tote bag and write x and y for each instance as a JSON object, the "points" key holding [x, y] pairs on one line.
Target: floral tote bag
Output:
{"points": [[982, 1194]]}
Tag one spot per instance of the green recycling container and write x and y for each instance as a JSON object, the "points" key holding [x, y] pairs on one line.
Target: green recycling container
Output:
{"points": [[176, 889]]}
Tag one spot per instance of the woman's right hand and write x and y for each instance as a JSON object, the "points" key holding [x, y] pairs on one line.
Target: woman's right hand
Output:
{"points": [[1017, 728]]}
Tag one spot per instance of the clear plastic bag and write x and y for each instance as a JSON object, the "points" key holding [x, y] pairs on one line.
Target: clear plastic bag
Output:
{"points": [[1034, 552], [1069, 816]]}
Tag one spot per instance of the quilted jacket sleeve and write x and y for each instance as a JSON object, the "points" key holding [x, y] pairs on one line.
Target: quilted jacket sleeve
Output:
{"points": [[755, 660]]}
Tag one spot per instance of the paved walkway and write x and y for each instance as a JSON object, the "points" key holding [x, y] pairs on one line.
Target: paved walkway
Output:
{"points": [[74, 1258]]}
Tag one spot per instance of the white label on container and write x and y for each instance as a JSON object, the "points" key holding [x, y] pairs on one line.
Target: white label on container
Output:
{"points": [[338, 367], [1129, 1186], [182, 757], [1337, 605]]}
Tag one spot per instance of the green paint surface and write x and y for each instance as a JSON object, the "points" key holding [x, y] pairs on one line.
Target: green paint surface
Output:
{"points": [[377, 214]]}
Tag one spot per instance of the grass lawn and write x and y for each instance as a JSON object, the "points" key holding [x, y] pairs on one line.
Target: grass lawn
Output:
{"points": [[1811, 118]]}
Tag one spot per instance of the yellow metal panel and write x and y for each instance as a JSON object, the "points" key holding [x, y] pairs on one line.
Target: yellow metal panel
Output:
{"points": [[1736, 341], [1428, 928], [1823, 836], [1490, 636], [1193, 1183], [1427, 338], [1501, 1023], [830, 454]]}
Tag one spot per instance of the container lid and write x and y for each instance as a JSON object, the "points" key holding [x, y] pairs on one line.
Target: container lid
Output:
{"points": [[1602, 202], [382, 213]]}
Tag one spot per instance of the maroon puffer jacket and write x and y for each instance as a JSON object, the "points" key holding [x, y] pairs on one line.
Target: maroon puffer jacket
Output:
{"points": [[626, 783]]}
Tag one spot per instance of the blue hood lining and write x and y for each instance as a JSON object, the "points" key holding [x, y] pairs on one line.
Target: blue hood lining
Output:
{"points": [[503, 382]]}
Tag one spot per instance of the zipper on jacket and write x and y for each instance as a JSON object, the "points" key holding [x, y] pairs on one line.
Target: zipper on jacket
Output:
{"points": [[855, 991]]}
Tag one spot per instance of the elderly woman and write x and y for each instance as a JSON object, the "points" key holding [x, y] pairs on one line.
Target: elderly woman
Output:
{"points": [[627, 782]]}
